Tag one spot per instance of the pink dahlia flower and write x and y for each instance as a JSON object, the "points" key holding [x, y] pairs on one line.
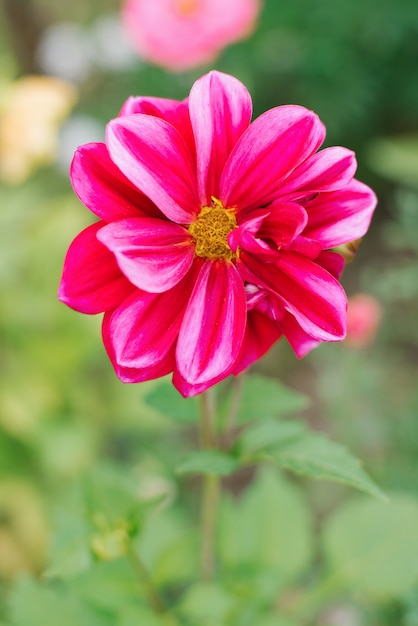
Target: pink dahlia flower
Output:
{"points": [[364, 316], [214, 234], [180, 34]]}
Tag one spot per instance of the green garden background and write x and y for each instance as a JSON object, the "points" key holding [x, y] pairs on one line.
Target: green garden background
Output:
{"points": [[74, 439]]}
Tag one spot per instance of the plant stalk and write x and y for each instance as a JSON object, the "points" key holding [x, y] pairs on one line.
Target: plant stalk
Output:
{"points": [[211, 487], [211, 491], [229, 434], [140, 570], [207, 420]]}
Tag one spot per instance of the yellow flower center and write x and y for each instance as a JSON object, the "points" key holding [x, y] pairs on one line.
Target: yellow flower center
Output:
{"points": [[211, 229], [186, 7]]}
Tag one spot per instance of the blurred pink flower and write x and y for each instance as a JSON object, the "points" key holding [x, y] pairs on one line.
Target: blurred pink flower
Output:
{"points": [[214, 234], [364, 315], [181, 34]]}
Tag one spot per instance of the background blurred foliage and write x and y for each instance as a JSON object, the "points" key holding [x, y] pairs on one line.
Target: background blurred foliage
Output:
{"points": [[73, 438]]}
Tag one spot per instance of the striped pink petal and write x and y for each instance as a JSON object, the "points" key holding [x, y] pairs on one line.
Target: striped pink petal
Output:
{"points": [[153, 254], [300, 341], [157, 160], [220, 111], [173, 111], [141, 333], [309, 293], [102, 187], [213, 327], [341, 216], [286, 220], [92, 281], [267, 152], [260, 334], [328, 170]]}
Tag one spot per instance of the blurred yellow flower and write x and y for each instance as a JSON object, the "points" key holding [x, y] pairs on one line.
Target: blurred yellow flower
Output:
{"points": [[23, 530], [31, 113]]}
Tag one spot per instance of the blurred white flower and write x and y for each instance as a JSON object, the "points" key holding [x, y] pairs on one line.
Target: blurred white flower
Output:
{"points": [[65, 51], [76, 131], [72, 51], [110, 46]]}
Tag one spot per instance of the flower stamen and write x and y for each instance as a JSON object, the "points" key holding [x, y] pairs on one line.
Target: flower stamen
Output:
{"points": [[211, 229]]}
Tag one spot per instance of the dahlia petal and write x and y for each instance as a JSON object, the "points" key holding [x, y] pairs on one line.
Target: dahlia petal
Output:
{"points": [[264, 301], [256, 246], [267, 152], [328, 170], [299, 340], [268, 304], [314, 297], [220, 111], [253, 221], [135, 374], [341, 216], [247, 229], [306, 247], [213, 326], [260, 334], [156, 158], [285, 221], [102, 187], [332, 262], [164, 108], [91, 281], [132, 375], [153, 254], [140, 333], [309, 293], [173, 111], [188, 390]]}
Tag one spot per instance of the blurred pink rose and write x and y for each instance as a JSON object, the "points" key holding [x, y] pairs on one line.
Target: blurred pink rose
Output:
{"points": [[364, 315], [180, 34]]}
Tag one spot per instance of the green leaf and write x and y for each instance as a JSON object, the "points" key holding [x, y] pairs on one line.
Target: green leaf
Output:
{"points": [[317, 456], [211, 462], [257, 611], [291, 446], [111, 494], [34, 605], [264, 398], [70, 547], [206, 604], [275, 620], [15, 456], [267, 529], [168, 546], [372, 547], [167, 400], [140, 616], [108, 585], [268, 435]]}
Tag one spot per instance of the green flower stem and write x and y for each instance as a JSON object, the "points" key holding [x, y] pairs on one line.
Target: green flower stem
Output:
{"points": [[141, 571], [210, 500], [316, 598], [211, 487], [229, 433], [207, 420]]}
